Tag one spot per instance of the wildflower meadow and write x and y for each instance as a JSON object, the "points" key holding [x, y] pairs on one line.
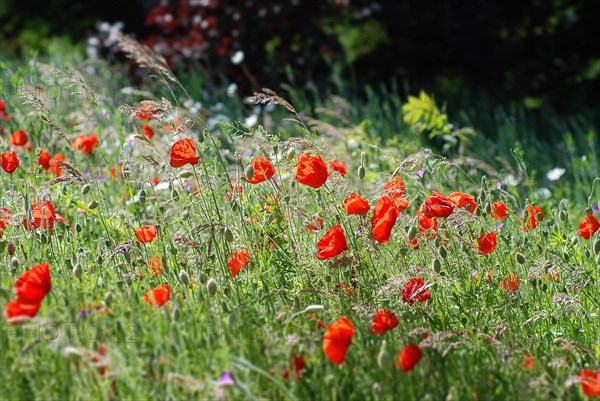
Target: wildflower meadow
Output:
{"points": [[164, 240]]}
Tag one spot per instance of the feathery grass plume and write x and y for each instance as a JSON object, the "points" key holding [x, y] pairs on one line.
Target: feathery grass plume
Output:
{"points": [[461, 218], [187, 242], [145, 56], [268, 96], [31, 98]]}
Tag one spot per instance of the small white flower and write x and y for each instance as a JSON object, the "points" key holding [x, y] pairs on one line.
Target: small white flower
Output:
{"points": [[251, 121], [232, 89], [161, 186], [555, 173], [512, 180], [237, 57], [544, 193]]}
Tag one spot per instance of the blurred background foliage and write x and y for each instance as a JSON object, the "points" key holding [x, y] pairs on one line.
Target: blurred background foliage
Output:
{"points": [[536, 51]]}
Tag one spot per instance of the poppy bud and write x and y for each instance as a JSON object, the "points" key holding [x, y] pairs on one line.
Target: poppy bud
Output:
{"points": [[487, 207], [142, 196], [212, 286], [482, 196], [85, 189], [596, 246], [228, 235], [296, 304], [443, 252], [412, 232], [11, 249], [574, 240], [587, 253], [69, 263], [77, 271], [184, 277], [14, 263], [562, 215], [71, 353], [175, 195], [202, 277], [231, 319], [92, 205], [78, 228], [383, 357], [520, 258], [249, 172], [108, 297], [176, 313], [44, 238], [437, 265], [361, 172], [291, 153]]}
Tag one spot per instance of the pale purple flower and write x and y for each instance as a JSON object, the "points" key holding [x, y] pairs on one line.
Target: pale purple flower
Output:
{"points": [[420, 172], [428, 185], [225, 379], [596, 208], [499, 184]]}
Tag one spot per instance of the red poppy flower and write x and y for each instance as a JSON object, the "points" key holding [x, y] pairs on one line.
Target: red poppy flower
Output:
{"points": [[395, 188], [158, 296], [5, 216], [499, 211], [437, 205], [356, 204], [145, 112], [402, 204], [384, 218], [298, 366], [332, 244], [316, 227], [145, 234], [591, 383], [337, 339], [529, 363], [3, 114], [409, 357], [487, 243], [43, 215], [311, 170], [55, 166], [534, 214], [85, 144], [33, 285], [463, 201], [237, 261], [263, 170], [14, 309], [117, 171], [588, 226], [10, 162], [19, 138], [156, 265], [427, 224], [44, 159], [511, 283], [183, 152], [338, 166], [415, 290], [148, 131], [383, 320]]}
